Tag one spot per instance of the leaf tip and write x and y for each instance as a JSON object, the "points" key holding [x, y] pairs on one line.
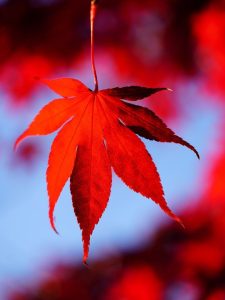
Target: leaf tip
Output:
{"points": [[86, 243], [197, 154], [15, 145], [85, 260], [18, 141], [194, 150], [52, 222], [170, 213], [179, 221]]}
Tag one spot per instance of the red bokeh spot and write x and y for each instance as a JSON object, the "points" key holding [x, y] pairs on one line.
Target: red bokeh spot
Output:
{"points": [[138, 283]]}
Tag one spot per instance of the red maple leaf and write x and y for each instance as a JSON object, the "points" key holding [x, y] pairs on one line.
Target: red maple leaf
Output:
{"points": [[98, 130]]}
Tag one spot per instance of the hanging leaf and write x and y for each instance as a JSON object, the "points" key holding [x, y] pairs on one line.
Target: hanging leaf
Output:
{"points": [[97, 131]]}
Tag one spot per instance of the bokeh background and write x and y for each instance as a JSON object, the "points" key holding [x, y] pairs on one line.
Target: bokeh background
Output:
{"points": [[137, 252]]}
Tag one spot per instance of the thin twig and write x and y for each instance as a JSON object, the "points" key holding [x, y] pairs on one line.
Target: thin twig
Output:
{"points": [[92, 19]]}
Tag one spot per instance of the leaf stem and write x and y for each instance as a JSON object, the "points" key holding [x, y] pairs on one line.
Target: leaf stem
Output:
{"points": [[92, 19]]}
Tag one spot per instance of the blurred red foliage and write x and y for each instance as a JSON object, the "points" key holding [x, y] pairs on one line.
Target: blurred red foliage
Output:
{"points": [[38, 38], [209, 28], [138, 282], [18, 75]]}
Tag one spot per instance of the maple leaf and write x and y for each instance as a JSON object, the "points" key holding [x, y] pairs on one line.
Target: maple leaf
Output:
{"points": [[98, 131]]}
